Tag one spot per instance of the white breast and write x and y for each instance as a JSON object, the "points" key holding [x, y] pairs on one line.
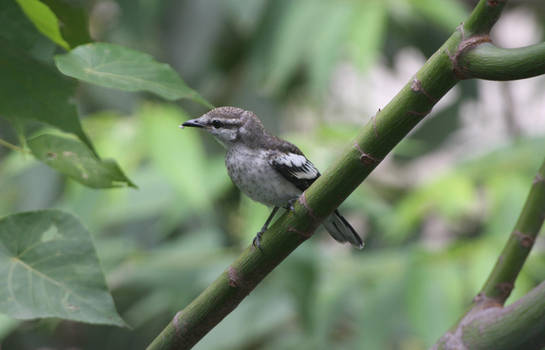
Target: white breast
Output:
{"points": [[251, 172]]}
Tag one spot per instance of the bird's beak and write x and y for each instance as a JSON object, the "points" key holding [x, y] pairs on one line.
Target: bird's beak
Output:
{"points": [[193, 123]]}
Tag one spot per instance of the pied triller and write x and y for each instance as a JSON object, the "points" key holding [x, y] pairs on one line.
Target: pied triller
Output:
{"points": [[265, 168]]}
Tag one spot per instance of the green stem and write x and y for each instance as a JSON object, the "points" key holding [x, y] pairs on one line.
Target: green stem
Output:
{"points": [[12, 146], [375, 141], [489, 62], [484, 16], [487, 324], [502, 278], [520, 325]]}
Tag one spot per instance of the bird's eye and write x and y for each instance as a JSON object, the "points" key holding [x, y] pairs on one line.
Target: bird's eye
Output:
{"points": [[216, 124]]}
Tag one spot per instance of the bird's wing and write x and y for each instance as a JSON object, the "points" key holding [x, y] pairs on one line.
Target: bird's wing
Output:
{"points": [[295, 167]]}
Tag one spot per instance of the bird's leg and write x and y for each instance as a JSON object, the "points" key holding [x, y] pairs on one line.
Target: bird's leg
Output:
{"points": [[291, 202], [257, 239]]}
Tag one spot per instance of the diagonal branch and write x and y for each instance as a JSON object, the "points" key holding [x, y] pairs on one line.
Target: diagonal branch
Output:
{"points": [[374, 142]]}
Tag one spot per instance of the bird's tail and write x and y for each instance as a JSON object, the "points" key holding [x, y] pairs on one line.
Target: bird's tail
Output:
{"points": [[341, 230]]}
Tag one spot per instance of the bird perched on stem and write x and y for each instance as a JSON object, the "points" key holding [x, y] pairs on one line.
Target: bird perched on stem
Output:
{"points": [[267, 169]]}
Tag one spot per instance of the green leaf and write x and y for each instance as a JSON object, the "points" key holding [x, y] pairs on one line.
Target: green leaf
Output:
{"points": [[245, 14], [21, 33], [117, 67], [74, 159], [32, 90], [44, 20], [50, 269], [7, 325], [74, 20]]}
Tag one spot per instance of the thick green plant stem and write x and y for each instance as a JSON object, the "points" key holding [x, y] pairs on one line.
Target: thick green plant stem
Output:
{"points": [[363, 154], [489, 62], [517, 326], [488, 325]]}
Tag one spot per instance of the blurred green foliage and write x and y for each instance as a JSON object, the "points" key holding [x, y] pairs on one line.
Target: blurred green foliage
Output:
{"points": [[52, 270], [429, 244]]}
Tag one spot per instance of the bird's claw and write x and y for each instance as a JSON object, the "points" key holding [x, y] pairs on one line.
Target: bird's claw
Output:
{"points": [[291, 203], [257, 240]]}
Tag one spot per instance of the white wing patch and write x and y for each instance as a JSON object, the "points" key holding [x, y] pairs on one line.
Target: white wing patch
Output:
{"points": [[309, 174], [298, 165], [291, 159]]}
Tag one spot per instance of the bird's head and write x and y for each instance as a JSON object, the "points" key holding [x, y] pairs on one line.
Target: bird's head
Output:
{"points": [[229, 125]]}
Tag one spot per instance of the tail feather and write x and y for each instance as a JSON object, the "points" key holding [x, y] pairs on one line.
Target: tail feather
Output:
{"points": [[341, 230]]}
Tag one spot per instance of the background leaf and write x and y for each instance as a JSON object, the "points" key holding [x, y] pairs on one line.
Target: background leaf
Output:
{"points": [[368, 28], [32, 90], [74, 159], [327, 43], [17, 29], [49, 263], [290, 39], [446, 14], [180, 156], [44, 20], [73, 18], [121, 68], [7, 324]]}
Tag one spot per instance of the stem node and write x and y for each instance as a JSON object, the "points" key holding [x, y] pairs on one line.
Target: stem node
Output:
{"points": [[234, 278], [525, 240], [366, 158], [303, 201]]}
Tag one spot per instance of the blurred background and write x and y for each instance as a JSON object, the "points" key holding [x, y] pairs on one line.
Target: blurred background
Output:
{"points": [[435, 214]]}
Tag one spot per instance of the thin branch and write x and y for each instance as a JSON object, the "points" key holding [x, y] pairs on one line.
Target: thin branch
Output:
{"points": [[502, 278], [13, 147], [488, 325], [375, 141], [490, 62]]}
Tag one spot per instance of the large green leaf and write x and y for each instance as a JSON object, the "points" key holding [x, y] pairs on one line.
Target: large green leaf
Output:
{"points": [[74, 159], [121, 68], [50, 269], [44, 20]]}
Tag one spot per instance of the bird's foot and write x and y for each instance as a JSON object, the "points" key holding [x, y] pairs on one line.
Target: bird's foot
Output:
{"points": [[291, 203], [257, 240]]}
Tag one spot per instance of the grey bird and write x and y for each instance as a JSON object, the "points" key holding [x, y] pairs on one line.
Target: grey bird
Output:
{"points": [[267, 169]]}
